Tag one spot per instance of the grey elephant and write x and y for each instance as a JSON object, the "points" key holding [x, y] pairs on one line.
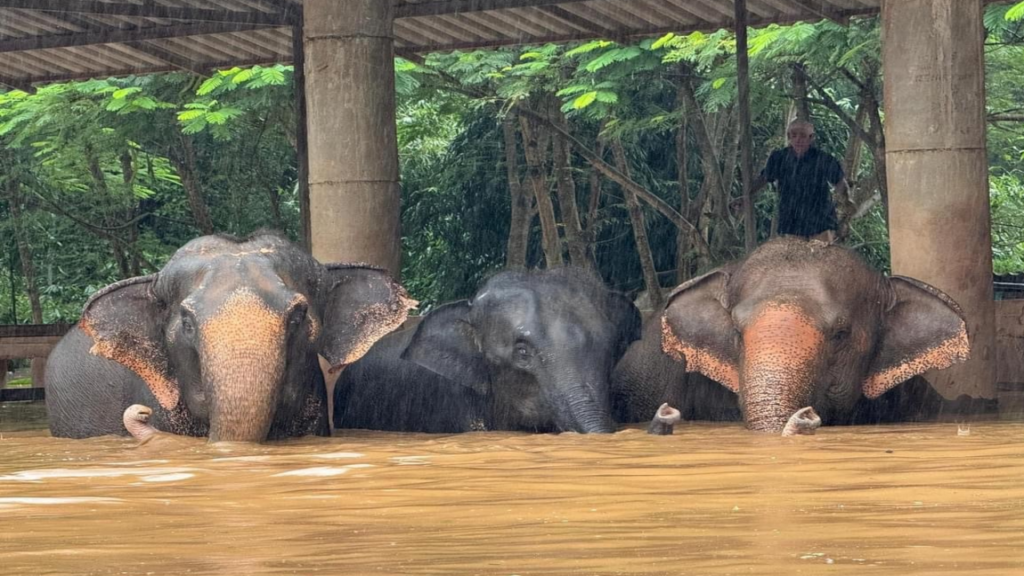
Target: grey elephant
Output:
{"points": [[222, 341], [530, 351], [797, 323]]}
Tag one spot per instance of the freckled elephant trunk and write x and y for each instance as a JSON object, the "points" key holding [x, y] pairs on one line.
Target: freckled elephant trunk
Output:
{"points": [[244, 361], [244, 389], [782, 352]]}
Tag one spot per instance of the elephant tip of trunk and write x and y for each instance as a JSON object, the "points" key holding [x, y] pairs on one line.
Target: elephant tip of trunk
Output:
{"points": [[664, 421], [803, 421]]}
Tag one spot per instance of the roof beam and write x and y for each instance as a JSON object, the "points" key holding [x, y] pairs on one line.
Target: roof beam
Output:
{"points": [[822, 9], [169, 57], [578, 21], [17, 84], [88, 25], [117, 35], [436, 7], [149, 10]]}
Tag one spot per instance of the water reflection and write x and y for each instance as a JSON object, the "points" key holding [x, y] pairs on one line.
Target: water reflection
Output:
{"points": [[711, 499]]}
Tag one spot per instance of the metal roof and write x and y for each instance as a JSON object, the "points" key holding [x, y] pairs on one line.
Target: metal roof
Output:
{"points": [[57, 40]]}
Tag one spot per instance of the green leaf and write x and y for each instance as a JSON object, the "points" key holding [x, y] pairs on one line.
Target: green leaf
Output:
{"points": [[531, 56], [274, 75], [588, 47], [209, 85], [125, 92], [663, 40], [242, 76], [607, 97], [144, 102], [584, 100], [1015, 13], [718, 83], [612, 56], [189, 115]]}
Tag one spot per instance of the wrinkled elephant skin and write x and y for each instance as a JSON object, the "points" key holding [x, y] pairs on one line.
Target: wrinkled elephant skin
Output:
{"points": [[803, 323], [531, 351], [222, 342]]}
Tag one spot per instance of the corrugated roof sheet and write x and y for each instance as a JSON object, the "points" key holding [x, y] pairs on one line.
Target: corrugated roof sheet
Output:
{"points": [[55, 40]]}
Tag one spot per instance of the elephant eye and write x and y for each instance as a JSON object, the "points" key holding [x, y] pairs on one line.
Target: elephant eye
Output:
{"points": [[840, 334], [522, 352], [188, 325], [297, 316]]}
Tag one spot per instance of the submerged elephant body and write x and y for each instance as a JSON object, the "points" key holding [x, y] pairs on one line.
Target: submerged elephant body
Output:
{"points": [[798, 323], [531, 351], [223, 342]]}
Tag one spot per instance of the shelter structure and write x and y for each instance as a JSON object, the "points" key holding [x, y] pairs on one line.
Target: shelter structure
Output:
{"points": [[344, 49]]}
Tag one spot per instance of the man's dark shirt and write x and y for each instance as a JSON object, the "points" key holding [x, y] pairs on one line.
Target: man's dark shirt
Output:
{"points": [[805, 202]]}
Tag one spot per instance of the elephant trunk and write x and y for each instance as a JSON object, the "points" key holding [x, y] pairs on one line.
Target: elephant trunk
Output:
{"points": [[587, 408], [244, 361], [782, 350]]}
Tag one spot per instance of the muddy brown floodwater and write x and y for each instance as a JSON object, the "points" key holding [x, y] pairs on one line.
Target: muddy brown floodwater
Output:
{"points": [[708, 500]]}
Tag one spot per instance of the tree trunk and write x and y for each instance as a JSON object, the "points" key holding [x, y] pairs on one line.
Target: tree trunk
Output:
{"points": [[703, 137], [803, 110], [566, 186], [184, 160], [535, 140], [519, 226], [684, 238], [594, 200], [636, 218], [28, 268], [103, 191], [131, 212]]}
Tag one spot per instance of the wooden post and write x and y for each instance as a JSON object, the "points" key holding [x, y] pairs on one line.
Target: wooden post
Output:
{"points": [[3, 372], [937, 168], [746, 159], [354, 195]]}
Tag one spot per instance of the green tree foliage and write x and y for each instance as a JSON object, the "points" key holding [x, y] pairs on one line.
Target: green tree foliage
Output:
{"points": [[113, 175]]}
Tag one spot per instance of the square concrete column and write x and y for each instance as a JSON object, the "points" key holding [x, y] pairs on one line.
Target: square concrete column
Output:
{"points": [[939, 224], [354, 194]]}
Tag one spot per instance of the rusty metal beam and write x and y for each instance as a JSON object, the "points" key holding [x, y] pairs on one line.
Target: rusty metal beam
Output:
{"points": [[437, 7], [149, 10], [116, 35], [822, 9], [17, 84]]}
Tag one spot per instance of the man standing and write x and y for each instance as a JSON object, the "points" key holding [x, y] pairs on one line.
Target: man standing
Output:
{"points": [[803, 175]]}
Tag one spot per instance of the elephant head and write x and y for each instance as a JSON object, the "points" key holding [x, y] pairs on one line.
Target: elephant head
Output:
{"points": [[802, 323], [229, 329], [540, 344]]}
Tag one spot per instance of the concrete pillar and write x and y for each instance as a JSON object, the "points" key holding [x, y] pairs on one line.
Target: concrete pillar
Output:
{"points": [[353, 154], [939, 225], [38, 371]]}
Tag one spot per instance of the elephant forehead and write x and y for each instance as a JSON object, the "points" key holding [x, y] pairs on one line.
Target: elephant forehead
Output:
{"points": [[244, 315], [783, 329]]}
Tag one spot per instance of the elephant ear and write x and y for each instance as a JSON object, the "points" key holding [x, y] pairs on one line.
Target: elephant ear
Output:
{"points": [[447, 344], [923, 329], [697, 328], [125, 321], [361, 305], [626, 318]]}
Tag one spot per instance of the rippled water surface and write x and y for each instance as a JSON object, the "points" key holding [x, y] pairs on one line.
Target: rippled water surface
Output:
{"points": [[710, 500]]}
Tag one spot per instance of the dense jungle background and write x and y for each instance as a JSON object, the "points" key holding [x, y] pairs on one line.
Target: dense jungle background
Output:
{"points": [[620, 157]]}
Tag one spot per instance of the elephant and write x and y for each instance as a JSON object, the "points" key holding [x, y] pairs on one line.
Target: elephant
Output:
{"points": [[796, 323], [223, 341], [531, 351]]}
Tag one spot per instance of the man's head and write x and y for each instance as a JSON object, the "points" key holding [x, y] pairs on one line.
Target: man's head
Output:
{"points": [[800, 134]]}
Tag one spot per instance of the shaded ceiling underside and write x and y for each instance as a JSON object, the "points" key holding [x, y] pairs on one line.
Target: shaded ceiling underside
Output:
{"points": [[57, 40]]}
